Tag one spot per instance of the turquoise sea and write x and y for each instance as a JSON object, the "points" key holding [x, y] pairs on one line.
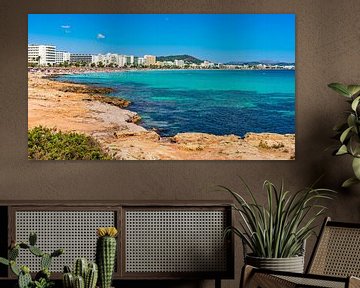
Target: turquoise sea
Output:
{"points": [[211, 101]]}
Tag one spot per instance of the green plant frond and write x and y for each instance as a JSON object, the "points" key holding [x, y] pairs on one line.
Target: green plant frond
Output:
{"points": [[340, 88], [249, 219], [248, 190], [316, 197], [316, 181], [237, 197], [258, 209], [244, 237]]}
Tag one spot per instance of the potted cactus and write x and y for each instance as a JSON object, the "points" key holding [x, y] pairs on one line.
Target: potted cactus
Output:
{"points": [[106, 254], [42, 278], [85, 275]]}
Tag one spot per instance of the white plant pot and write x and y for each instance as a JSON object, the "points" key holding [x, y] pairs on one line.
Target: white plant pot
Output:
{"points": [[291, 264]]}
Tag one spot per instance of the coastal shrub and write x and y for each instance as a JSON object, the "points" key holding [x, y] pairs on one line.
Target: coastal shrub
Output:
{"points": [[51, 144]]}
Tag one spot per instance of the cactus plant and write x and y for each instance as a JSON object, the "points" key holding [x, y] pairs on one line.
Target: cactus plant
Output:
{"points": [[91, 276], [45, 261], [42, 278], [32, 239], [106, 254], [24, 277], [80, 268], [79, 282], [84, 274]]}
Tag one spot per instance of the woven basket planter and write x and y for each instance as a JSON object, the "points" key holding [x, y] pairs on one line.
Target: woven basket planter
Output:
{"points": [[291, 264]]}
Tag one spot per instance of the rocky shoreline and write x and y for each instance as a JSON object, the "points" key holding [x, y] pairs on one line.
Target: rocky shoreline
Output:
{"points": [[85, 109]]}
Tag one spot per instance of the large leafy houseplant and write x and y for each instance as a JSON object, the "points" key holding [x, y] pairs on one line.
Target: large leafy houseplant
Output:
{"points": [[280, 228], [349, 132]]}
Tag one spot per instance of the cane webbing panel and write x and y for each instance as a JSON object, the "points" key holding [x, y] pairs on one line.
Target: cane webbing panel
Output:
{"points": [[312, 282], [75, 231], [175, 241], [260, 280], [338, 252]]}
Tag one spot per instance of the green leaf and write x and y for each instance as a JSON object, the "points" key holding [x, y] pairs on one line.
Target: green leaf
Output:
{"points": [[354, 145], [13, 253], [14, 268], [342, 150], [45, 261], [355, 103], [4, 261], [345, 134], [340, 88], [353, 89], [351, 120], [356, 167], [36, 251], [349, 182]]}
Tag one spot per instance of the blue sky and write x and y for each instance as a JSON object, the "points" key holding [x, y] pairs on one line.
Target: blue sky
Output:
{"points": [[215, 37]]}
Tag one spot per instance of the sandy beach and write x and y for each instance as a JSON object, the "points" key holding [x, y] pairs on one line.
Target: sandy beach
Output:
{"points": [[84, 109]]}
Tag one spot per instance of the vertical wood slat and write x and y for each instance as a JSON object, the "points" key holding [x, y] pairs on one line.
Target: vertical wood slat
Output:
{"points": [[3, 239]]}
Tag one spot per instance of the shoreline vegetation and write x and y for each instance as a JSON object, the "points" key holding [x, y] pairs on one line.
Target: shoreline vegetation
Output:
{"points": [[81, 111]]}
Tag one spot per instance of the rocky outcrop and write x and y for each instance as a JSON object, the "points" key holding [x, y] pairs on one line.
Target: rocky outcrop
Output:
{"points": [[86, 89], [114, 101]]}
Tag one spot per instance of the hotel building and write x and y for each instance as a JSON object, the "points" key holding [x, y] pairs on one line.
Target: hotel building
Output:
{"points": [[141, 61], [179, 63], [109, 58], [41, 54], [84, 58], [61, 57], [150, 60]]}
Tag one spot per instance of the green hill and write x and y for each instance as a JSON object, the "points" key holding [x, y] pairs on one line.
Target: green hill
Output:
{"points": [[187, 58]]}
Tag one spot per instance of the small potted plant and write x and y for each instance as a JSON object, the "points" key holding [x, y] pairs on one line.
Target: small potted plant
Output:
{"points": [[275, 233]]}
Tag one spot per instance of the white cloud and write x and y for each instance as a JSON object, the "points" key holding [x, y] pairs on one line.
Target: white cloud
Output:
{"points": [[65, 26], [100, 36]]}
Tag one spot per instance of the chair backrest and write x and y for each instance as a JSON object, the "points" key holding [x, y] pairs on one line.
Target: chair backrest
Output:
{"points": [[337, 251]]}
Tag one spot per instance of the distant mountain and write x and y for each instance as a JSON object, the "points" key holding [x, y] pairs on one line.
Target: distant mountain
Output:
{"points": [[259, 62], [187, 58]]}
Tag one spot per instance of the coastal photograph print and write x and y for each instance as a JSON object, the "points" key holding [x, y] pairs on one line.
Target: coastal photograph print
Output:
{"points": [[161, 86]]}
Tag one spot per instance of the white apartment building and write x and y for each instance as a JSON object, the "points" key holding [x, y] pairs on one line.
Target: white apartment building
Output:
{"points": [[207, 64], [141, 61], [129, 59], [150, 60], [179, 63], [109, 58], [168, 63], [112, 59], [61, 57], [41, 54]]}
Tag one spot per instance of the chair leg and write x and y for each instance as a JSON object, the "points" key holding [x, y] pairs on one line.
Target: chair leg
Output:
{"points": [[217, 283], [246, 274], [354, 282]]}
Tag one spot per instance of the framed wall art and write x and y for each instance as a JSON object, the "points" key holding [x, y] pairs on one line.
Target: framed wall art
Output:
{"points": [[161, 86]]}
